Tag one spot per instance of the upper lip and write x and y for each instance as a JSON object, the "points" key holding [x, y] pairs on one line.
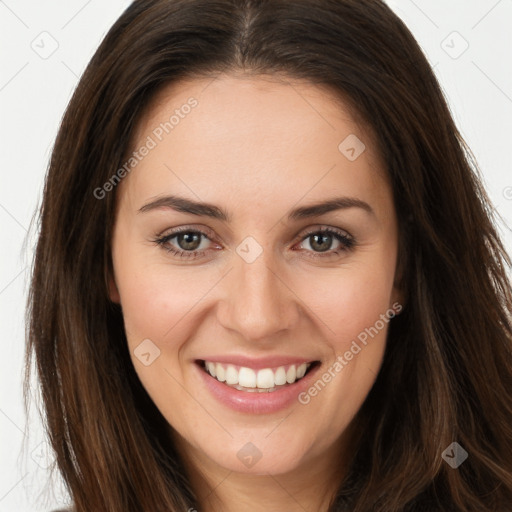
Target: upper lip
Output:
{"points": [[258, 363]]}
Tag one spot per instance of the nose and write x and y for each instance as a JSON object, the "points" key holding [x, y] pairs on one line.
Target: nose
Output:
{"points": [[259, 302]]}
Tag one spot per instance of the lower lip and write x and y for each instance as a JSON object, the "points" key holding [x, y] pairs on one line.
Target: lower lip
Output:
{"points": [[256, 402]]}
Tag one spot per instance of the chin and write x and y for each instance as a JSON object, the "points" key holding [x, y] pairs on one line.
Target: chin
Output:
{"points": [[261, 455]]}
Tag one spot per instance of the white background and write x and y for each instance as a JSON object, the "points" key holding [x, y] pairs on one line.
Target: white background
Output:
{"points": [[34, 92]]}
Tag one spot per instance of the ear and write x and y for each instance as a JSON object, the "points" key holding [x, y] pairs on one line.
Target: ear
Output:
{"points": [[113, 292]]}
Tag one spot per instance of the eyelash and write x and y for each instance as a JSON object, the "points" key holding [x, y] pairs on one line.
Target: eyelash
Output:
{"points": [[348, 242]]}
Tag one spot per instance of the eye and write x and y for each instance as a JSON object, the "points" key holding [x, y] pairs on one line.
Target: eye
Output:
{"points": [[321, 240], [190, 243]]}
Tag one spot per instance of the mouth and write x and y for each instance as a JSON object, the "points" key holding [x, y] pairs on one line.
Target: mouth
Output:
{"points": [[257, 380]]}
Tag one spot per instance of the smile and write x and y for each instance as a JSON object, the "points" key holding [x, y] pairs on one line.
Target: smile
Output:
{"points": [[256, 385], [256, 380]]}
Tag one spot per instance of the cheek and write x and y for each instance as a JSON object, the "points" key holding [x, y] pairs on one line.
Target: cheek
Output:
{"points": [[155, 301], [348, 302], [360, 307], [159, 305], [353, 311]]}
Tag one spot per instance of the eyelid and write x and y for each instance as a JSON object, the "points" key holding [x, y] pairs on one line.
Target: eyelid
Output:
{"points": [[209, 233], [324, 227]]}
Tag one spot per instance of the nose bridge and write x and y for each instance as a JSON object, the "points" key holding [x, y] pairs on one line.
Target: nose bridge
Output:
{"points": [[258, 304]]}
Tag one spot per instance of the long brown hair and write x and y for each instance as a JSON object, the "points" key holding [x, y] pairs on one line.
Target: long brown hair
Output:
{"points": [[447, 370]]}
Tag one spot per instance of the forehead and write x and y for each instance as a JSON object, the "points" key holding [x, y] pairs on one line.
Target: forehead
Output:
{"points": [[262, 102], [262, 135]]}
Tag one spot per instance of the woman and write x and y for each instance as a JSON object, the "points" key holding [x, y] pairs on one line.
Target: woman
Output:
{"points": [[268, 277]]}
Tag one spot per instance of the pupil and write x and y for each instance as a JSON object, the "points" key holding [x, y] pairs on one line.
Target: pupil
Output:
{"points": [[321, 246], [189, 241]]}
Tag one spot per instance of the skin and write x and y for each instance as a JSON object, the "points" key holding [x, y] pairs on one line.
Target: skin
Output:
{"points": [[257, 148]]}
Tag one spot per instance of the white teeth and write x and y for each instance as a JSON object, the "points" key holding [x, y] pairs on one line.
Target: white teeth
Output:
{"points": [[220, 373], [253, 380], [211, 368], [265, 378], [291, 374], [280, 376], [231, 375], [247, 378], [301, 370]]}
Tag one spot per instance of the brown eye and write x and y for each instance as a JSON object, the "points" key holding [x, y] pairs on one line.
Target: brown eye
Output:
{"points": [[321, 242], [327, 241], [188, 241], [184, 243]]}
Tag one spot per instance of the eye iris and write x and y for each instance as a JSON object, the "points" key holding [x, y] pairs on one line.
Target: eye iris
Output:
{"points": [[321, 246], [189, 241]]}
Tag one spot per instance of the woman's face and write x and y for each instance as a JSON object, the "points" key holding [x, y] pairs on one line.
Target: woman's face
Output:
{"points": [[262, 282]]}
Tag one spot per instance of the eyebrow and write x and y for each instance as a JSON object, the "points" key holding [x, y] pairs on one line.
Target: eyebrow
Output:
{"points": [[182, 204]]}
